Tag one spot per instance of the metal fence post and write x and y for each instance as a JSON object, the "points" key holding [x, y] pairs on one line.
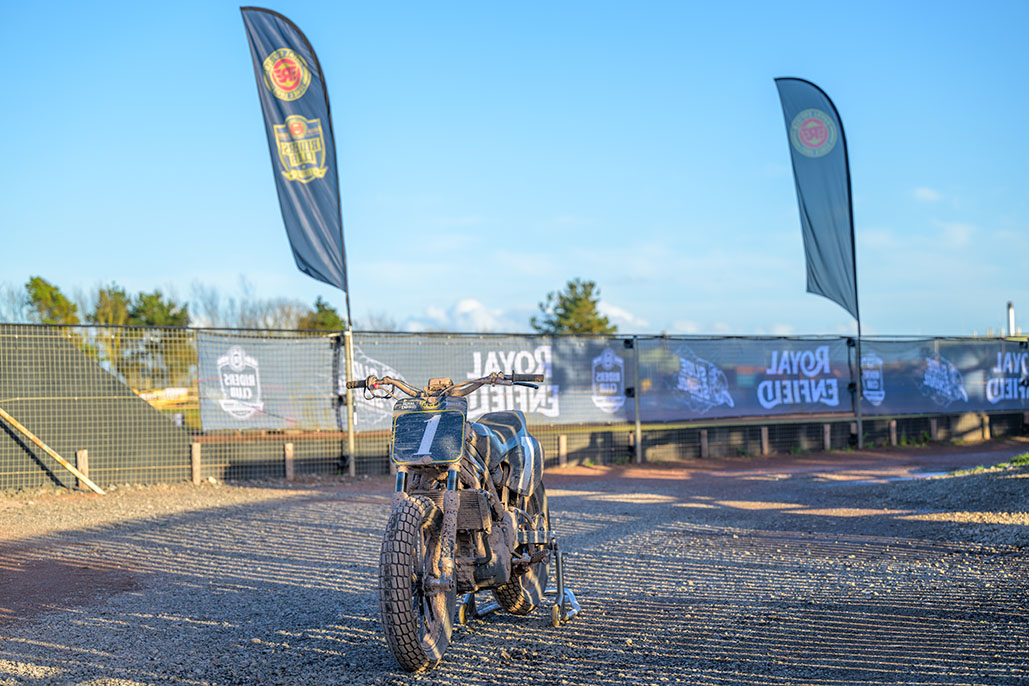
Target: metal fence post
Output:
{"points": [[348, 353], [637, 389]]}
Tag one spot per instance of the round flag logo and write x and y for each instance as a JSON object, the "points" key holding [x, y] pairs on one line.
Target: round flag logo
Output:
{"points": [[286, 74], [813, 133]]}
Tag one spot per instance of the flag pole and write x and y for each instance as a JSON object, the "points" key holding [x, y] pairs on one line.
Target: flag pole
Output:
{"points": [[348, 356]]}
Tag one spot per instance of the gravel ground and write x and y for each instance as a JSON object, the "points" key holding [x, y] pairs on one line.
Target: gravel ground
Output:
{"points": [[831, 569]]}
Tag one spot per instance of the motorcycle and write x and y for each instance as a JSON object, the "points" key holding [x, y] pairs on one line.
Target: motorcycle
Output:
{"points": [[469, 514]]}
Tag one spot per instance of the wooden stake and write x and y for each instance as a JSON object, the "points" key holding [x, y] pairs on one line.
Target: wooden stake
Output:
{"points": [[194, 462], [50, 451], [82, 464], [288, 457]]}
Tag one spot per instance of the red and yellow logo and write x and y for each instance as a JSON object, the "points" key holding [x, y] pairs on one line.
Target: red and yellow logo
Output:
{"points": [[286, 74]]}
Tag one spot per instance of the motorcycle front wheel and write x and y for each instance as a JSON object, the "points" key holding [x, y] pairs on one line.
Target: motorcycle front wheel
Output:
{"points": [[524, 591], [417, 624]]}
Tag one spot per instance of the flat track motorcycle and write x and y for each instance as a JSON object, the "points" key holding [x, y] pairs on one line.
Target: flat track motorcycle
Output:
{"points": [[469, 514]]}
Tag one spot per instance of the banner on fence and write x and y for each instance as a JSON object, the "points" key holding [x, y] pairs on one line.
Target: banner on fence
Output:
{"points": [[288, 383], [265, 383]]}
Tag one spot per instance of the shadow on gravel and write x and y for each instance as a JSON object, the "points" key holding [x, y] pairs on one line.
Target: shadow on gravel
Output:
{"points": [[696, 579]]}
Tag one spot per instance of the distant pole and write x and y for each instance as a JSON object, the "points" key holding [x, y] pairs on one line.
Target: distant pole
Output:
{"points": [[860, 375], [348, 357], [1011, 319]]}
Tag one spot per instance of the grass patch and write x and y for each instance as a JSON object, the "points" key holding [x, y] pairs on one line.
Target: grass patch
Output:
{"points": [[1017, 461]]}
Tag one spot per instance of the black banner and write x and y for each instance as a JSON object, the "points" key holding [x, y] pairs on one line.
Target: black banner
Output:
{"points": [[255, 382], [295, 104], [821, 174]]}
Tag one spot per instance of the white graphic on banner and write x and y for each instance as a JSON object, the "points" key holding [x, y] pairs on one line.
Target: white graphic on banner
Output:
{"points": [[505, 398], [873, 389], [942, 382], [700, 385], [805, 377], [240, 383], [1010, 378], [370, 411], [608, 381]]}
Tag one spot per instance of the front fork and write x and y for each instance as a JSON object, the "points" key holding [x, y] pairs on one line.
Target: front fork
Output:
{"points": [[448, 532]]}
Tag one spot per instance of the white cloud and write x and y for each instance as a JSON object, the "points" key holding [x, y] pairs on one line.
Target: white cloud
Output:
{"points": [[685, 326], [467, 315], [625, 320], [783, 330], [956, 234], [926, 194]]}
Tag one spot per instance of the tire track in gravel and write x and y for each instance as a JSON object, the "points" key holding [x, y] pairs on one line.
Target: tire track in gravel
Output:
{"points": [[713, 577]]}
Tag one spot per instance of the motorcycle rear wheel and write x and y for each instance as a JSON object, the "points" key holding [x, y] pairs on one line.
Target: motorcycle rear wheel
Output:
{"points": [[417, 625], [524, 592]]}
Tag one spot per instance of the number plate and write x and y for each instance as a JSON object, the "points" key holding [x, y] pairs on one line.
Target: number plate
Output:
{"points": [[428, 437]]}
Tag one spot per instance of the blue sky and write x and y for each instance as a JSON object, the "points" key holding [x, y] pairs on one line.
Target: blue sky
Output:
{"points": [[490, 152]]}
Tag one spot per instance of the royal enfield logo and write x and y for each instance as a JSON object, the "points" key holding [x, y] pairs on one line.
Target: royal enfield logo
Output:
{"points": [[286, 75], [872, 388], [543, 400], [942, 382], [608, 381], [799, 377], [301, 145], [700, 385], [1008, 380], [813, 133], [240, 383]]}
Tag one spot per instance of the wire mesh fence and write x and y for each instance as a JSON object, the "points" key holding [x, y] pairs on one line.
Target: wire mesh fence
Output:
{"points": [[148, 405]]}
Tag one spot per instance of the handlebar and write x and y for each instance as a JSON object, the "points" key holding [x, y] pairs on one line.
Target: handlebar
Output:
{"points": [[456, 390]]}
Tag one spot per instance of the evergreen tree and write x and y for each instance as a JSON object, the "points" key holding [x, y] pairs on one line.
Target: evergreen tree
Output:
{"points": [[47, 305], [151, 309], [573, 310], [324, 317], [112, 307]]}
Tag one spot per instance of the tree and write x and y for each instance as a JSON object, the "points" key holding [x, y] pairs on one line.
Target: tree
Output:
{"points": [[157, 358], [573, 310], [151, 309], [47, 305], [111, 307], [324, 317]]}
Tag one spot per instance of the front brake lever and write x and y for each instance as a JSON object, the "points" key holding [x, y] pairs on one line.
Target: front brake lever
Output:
{"points": [[524, 383]]}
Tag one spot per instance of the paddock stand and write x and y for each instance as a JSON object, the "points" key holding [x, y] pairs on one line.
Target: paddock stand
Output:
{"points": [[565, 605]]}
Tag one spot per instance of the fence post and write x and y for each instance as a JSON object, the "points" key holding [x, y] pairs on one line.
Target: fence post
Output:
{"points": [[827, 437], [348, 355], [82, 464], [287, 454], [194, 462], [893, 432], [986, 426], [562, 450], [934, 434], [704, 450], [764, 440], [637, 389]]}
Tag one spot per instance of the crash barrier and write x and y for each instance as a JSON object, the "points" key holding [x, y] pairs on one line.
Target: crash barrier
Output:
{"points": [[143, 404]]}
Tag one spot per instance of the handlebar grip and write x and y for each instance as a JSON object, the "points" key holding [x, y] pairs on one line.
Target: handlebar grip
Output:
{"points": [[530, 378], [356, 384]]}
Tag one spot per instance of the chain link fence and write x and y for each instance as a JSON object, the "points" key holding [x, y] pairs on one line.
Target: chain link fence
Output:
{"points": [[151, 405]]}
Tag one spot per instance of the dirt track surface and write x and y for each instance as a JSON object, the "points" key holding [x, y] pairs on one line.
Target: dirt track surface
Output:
{"points": [[813, 570]]}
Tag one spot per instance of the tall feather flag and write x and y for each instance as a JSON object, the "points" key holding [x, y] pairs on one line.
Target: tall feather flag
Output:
{"points": [[821, 174], [298, 124]]}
